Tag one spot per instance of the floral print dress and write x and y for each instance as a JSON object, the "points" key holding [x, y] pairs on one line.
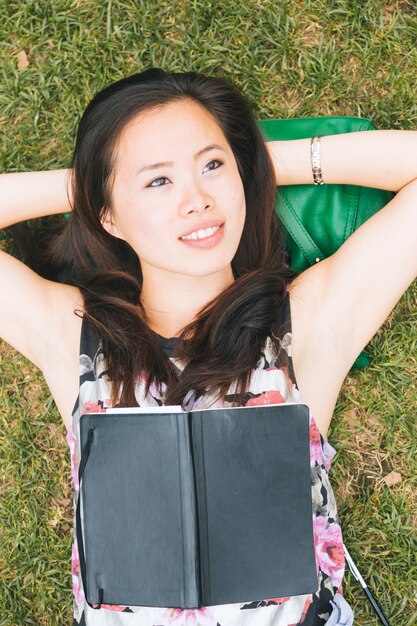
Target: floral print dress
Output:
{"points": [[269, 384]]}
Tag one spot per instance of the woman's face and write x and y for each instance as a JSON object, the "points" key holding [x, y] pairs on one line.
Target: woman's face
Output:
{"points": [[193, 187]]}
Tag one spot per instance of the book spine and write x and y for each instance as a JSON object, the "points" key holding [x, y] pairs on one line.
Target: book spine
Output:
{"points": [[191, 562], [201, 498]]}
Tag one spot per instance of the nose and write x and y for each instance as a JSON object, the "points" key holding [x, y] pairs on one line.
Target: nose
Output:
{"points": [[195, 199]]}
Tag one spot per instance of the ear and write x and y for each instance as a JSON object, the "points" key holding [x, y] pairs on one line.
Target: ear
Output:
{"points": [[109, 225]]}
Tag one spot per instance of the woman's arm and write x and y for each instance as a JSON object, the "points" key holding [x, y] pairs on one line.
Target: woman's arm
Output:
{"points": [[28, 195], [384, 159], [31, 308], [358, 286]]}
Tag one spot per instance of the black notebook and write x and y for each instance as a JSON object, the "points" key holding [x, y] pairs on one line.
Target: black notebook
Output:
{"points": [[191, 509]]}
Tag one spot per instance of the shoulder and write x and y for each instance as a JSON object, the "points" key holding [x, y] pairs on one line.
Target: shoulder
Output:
{"points": [[67, 306], [318, 366], [34, 310], [61, 365]]}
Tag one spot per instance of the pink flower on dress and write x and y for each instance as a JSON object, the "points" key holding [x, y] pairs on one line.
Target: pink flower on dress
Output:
{"points": [[196, 617], [267, 397], [316, 452], [329, 548], [92, 407], [75, 571], [112, 607], [72, 442]]}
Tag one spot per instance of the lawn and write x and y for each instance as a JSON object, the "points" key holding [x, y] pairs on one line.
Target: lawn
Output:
{"points": [[292, 59]]}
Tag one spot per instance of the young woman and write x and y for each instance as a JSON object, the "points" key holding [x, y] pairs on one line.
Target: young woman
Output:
{"points": [[175, 287]]}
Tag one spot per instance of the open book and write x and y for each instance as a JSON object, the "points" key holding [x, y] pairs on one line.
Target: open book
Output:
{"points": [[191, 509]]}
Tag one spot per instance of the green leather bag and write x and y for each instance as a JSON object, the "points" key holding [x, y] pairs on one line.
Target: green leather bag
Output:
{"points": [[317, 219]]}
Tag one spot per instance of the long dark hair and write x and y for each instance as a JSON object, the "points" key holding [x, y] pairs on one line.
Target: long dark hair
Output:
{"points": [[225, 341]]}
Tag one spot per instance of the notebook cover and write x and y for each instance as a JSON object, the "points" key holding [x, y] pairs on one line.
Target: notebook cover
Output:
{"points": [[255, 510], [137, 501], [197, 509]]}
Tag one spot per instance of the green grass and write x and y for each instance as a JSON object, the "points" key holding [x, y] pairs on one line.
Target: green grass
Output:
{"points": [[292, 59]]}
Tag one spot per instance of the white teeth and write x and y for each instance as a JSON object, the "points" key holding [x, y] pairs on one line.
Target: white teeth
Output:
{"points": [[201, 234]]}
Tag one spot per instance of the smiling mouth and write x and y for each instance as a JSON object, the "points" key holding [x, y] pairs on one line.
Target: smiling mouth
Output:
{"points": [[201, 234], [206, 242]]}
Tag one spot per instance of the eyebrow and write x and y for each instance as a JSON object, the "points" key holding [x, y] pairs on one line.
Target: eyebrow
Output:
{"points": [[154, 166]]}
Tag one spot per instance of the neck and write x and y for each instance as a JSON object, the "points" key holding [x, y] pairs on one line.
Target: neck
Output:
{"points": [[172, 301]]}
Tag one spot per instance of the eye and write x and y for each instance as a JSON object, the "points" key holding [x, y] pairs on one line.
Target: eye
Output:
{"points": [[215, 161], [156, 180]]}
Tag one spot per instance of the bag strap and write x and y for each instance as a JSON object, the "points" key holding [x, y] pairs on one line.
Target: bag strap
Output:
{"points": [[297, 231], [84, 457], [302, 238]]}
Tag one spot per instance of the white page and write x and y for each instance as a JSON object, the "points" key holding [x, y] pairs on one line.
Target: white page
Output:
{"points": [[176, 408]]}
